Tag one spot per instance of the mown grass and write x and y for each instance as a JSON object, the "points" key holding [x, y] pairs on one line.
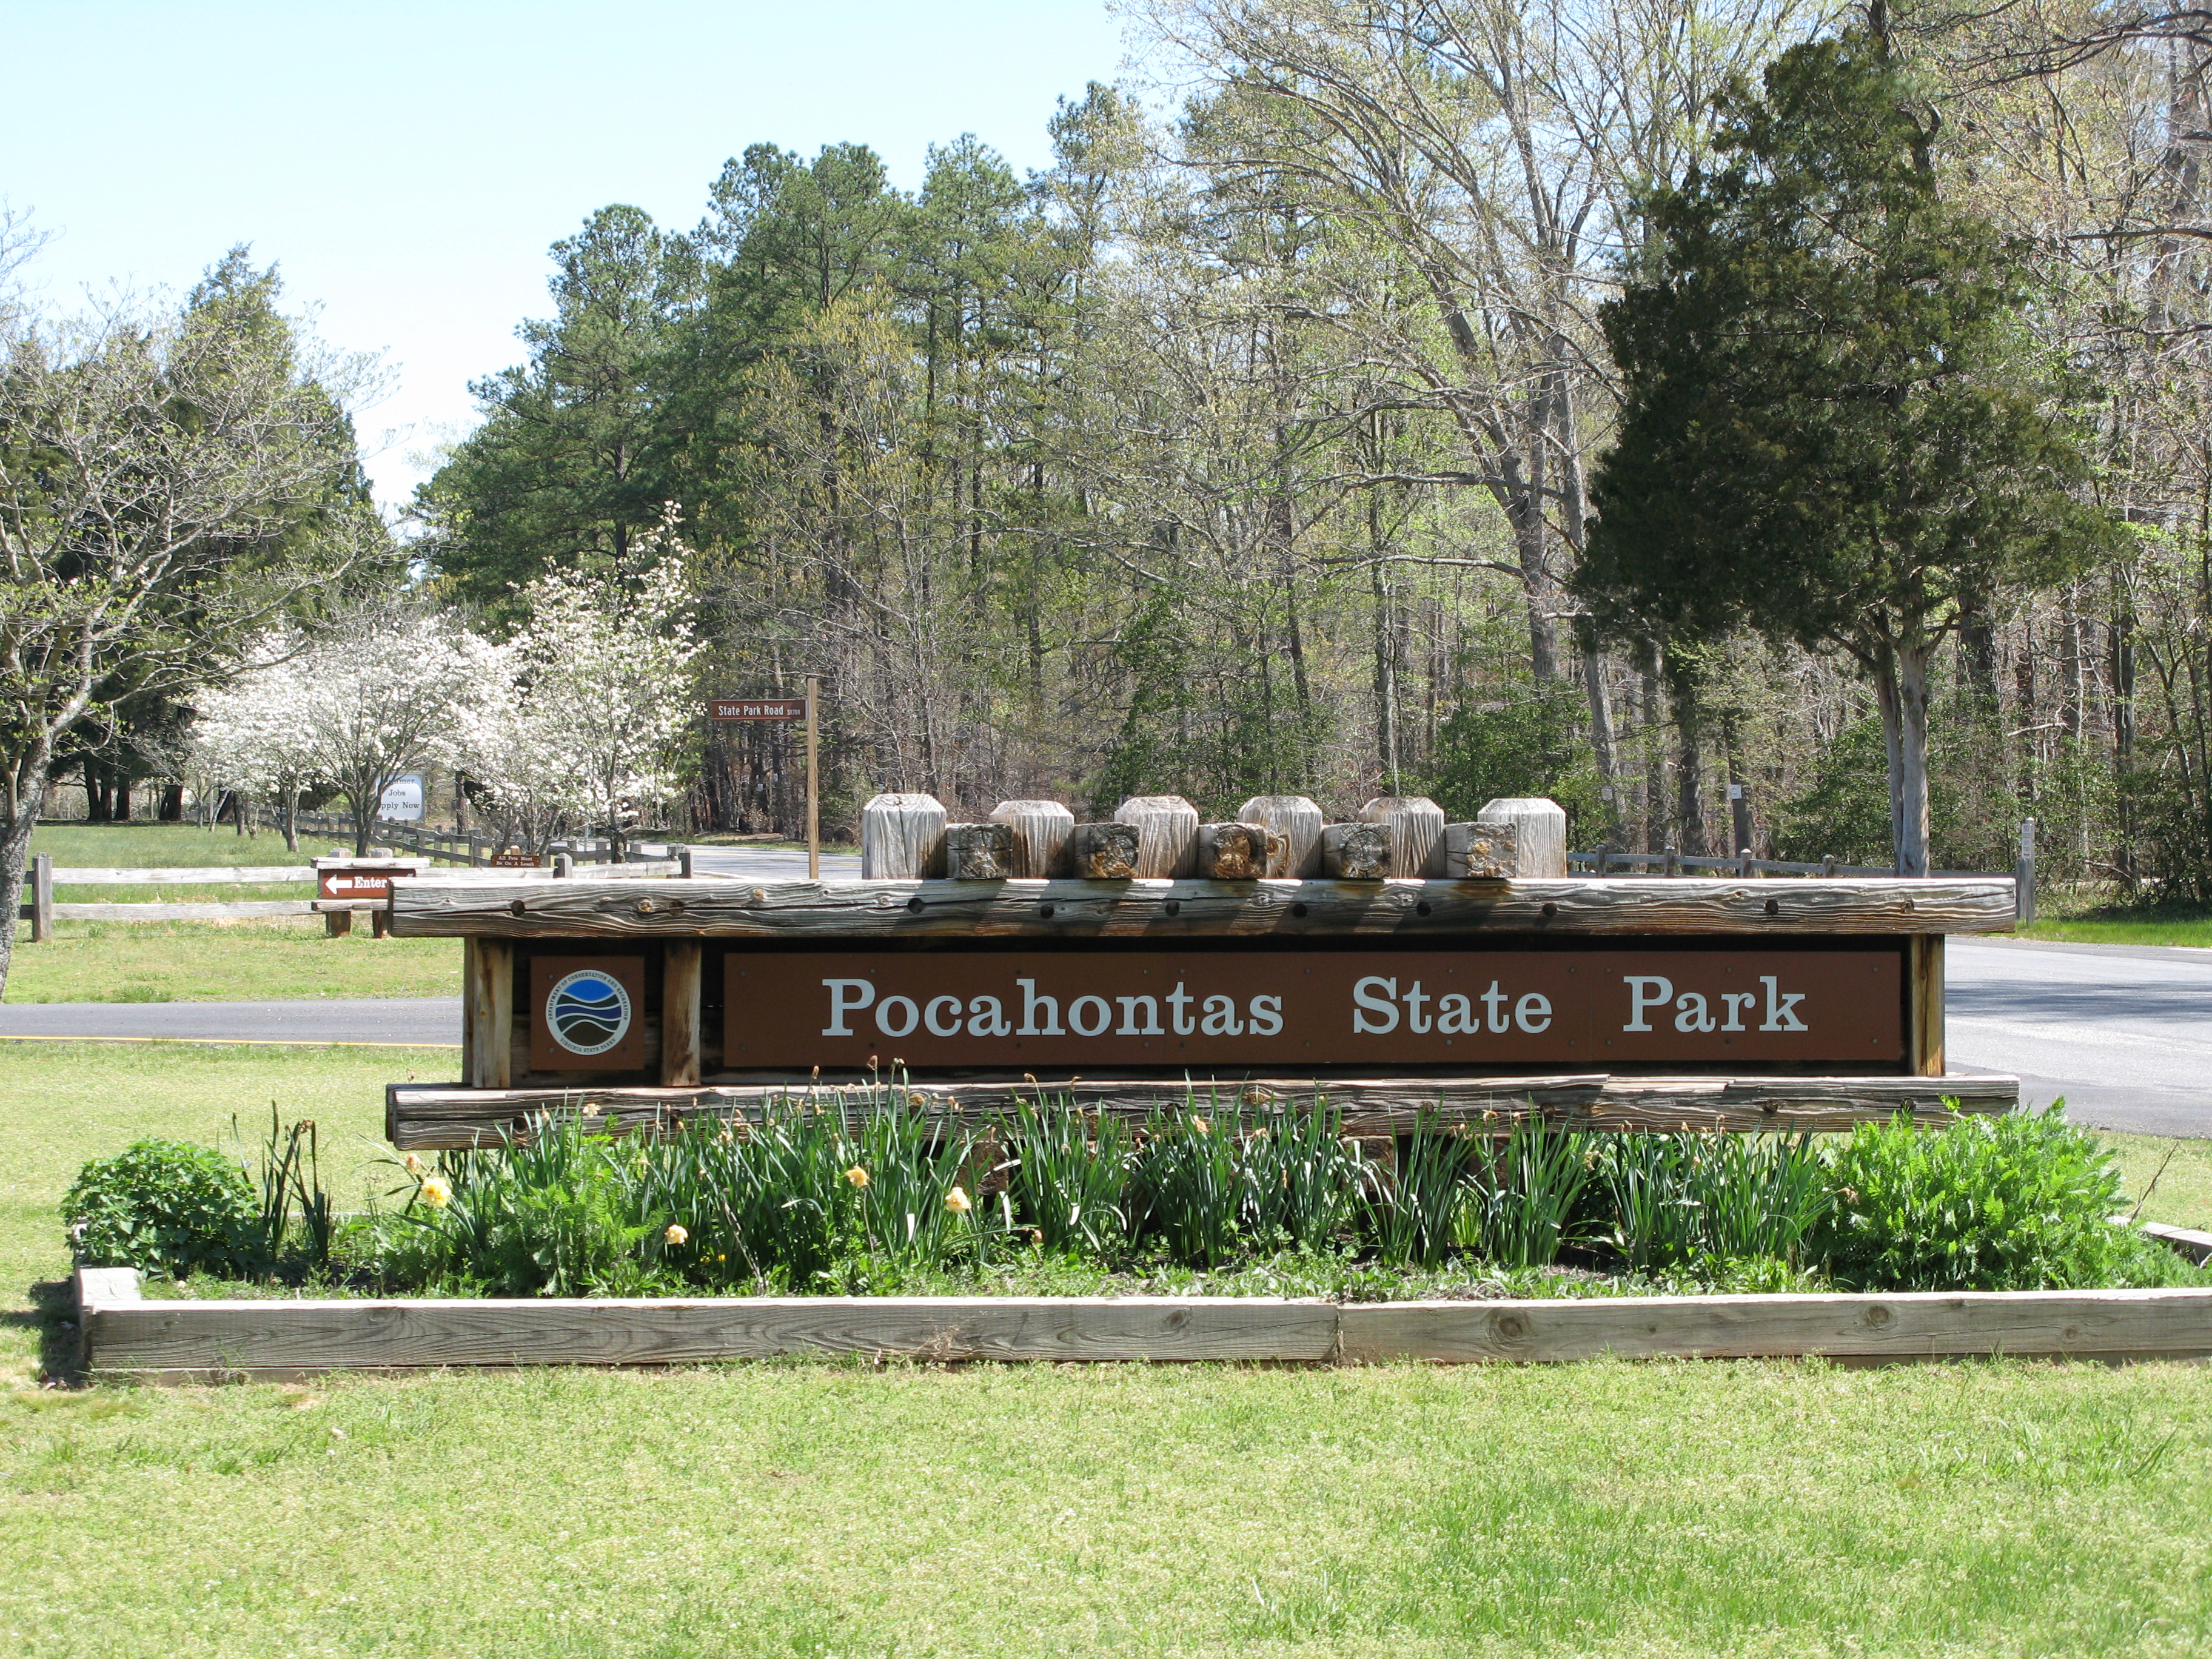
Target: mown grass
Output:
{"points": [[1768, 1509], [1736, 1509], [169, 845], [2195, 931], [280, 957]]}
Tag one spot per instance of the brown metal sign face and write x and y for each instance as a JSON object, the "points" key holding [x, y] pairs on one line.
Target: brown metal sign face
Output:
{"points": [[757, 709], [586, 1013], [1588, 1009], [359, 881]]}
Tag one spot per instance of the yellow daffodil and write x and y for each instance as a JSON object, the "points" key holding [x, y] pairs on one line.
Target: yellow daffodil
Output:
{"points": [[676, 1234], [857, 1175], [437, 1193], [959, 1202]]}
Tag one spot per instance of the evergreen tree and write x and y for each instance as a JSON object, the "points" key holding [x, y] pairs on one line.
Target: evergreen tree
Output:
{"points": [[1833, 430]]}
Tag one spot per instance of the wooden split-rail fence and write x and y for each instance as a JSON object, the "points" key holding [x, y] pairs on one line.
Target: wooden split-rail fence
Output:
{"points": [[1408, 967]]}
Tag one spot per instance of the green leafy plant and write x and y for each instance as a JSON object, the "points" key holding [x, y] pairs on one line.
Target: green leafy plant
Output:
{"points": [[1302, 1177], [1518, 1208], [165, 1207], [2023, 1202], [1190, 1180], [1069, 1177], [1411, 1209], [1679, 1198]]}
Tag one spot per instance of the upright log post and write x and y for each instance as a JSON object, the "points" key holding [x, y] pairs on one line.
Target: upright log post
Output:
{"points": [[42, 897], [1416, 824], [1540, 835], [1167, 835], [1041, 830], [680, 973], [902, 838], [1299, 822], [490, 1020], [1924, 1010]]}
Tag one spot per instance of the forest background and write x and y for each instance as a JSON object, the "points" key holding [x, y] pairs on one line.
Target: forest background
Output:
{"points": [[1245, 450]]}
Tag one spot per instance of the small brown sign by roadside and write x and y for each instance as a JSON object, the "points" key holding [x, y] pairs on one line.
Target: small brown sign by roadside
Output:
{"points": [[514, 859], [757, 709], [360, 881]]}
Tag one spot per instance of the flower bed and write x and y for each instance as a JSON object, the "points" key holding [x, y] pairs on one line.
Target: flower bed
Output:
{"points": [[892, 1199]]}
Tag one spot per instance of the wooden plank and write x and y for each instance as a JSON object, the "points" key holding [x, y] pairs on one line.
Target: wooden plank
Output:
{"points": [[535, 907], [1924, 1010], [229, 1338], [186, 911], [427, 1116], [490, 989], [680, 972], [1915, 1324], [187, 876], [469, 971], [2189, 1242]]}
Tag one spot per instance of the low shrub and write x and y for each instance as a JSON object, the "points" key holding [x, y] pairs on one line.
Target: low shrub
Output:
{"points": [[168, 1209], [2019, 1202]]}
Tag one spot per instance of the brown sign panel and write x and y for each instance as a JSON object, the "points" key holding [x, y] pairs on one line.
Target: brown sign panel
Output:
{"points": [[514, 860], [359, 881], [1587, 1010], [757, 709], [586, 1013]]}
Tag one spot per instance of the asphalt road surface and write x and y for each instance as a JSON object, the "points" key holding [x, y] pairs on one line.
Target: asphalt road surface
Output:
{"points": [[770, 864], [2123, 1032], [430, 1022]]}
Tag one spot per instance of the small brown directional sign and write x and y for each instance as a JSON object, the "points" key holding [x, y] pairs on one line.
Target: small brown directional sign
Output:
{"points": [[514, 858], [360, 881], [757, 709]]}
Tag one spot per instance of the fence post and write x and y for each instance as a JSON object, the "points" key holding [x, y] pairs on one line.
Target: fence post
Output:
{"points": [[2023, 873], [1743, 864], [1827, 865], [1597, 862], [1674, 866], [42, 897]]}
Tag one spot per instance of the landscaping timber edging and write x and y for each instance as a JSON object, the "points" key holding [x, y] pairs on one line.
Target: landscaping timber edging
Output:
{"points": [[717, 907], [125, 1335], [428, 1117]]}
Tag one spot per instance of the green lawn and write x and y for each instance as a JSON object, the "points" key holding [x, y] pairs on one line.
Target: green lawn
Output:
{"points": [[165, 845], [2124, 930], [226, 962], [1730, 1508]]}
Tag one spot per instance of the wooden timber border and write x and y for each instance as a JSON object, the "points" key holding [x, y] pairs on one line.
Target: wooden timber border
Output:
{"points": [[425, 1117], [125, 1335]]}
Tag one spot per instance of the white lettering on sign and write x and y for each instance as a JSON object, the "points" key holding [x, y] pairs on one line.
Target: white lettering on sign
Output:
{"points": [[1779, 1016]]}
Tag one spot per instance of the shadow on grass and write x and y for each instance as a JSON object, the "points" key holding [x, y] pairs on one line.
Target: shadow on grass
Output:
{"points": [[52, 1314]]}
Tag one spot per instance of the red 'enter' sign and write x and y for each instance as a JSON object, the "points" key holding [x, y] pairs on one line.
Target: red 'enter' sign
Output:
{"points": [[757, 709]]}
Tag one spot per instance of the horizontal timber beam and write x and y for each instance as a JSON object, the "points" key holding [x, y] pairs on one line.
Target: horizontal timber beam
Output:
{"points": [[125, 1335], [427, 1117], [709, 906]]}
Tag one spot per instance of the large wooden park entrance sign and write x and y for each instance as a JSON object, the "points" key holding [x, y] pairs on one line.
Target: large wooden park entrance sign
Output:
{"points": [[1400, 964]]}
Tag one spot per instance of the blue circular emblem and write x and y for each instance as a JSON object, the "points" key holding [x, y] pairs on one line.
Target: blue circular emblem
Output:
{"points": [[587, 1011]]}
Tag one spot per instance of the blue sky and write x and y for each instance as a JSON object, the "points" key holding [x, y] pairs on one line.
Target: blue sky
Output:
{"points": [[406, 164]]}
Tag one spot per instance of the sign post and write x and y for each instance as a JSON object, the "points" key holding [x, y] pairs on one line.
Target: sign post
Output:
{"points": [[788, 708]]}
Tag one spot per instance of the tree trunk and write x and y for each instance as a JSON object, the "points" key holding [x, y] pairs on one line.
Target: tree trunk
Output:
{"points": [[1904, 691], [15, 852], [291, 820], [1689, 768]]}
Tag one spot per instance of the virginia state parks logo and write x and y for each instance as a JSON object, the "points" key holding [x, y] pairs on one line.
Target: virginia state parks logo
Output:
{"points": [[587, 1011]]}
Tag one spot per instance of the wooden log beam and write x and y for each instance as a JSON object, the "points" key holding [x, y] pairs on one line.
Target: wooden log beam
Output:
{"points": [[1233, 852], [177, 1339], [1102, 852], [1356, 852], [1907, 1325], [1538, 829], [423, 1116], [599, 908], [489, 1001], [979, 852], [680, 1035]]}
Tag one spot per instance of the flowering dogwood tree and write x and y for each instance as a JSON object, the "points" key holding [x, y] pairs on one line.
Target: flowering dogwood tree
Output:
{"points": [[249, 737], [599, 692]]}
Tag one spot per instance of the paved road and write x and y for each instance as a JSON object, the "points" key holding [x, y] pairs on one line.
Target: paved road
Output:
{"points": [[412, 1021], [2123, 1032], [771, 863]]}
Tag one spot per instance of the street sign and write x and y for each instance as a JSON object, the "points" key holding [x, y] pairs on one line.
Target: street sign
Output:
{"points": [[757, 709], [788, 708], [515, 858]]}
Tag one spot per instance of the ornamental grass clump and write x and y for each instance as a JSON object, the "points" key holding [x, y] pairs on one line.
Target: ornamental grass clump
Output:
{"points": [[1068, 1176], [1517, 1208], [1190, 1188], [1303, 1177], [1412, 1210]]}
